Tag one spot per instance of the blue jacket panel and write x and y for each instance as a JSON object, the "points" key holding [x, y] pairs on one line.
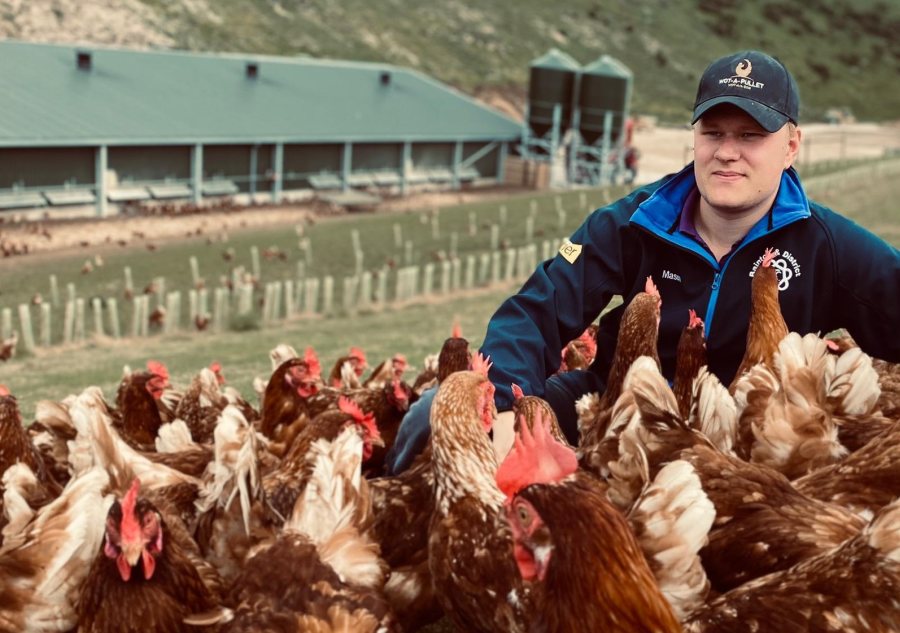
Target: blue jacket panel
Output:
{"points": [[832, 273]]}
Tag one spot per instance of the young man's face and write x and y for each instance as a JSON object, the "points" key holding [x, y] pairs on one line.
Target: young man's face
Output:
{"points": [[738, 164]]}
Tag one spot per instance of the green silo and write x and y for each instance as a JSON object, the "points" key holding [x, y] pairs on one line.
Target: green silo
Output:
{"points": [[552, 82], [605, 87]]}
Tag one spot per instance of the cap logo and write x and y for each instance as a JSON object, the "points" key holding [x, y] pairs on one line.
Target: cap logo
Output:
{"points": [[741, 78]]}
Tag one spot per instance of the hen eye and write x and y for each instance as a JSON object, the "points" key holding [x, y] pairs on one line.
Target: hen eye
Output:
{"points": [[524, 515]]}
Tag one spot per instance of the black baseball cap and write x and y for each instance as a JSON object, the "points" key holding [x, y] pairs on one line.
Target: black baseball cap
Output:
{"points": [[758, 84]]}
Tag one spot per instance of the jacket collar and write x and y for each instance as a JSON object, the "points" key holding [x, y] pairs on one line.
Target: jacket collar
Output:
{"points": [[659, 213]]}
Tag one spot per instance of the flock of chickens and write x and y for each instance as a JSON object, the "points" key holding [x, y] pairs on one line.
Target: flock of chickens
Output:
{"points": [[766, 505]]}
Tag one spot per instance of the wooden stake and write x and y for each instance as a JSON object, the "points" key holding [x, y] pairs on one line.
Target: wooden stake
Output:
{"points": [[469, 282], [327, 295], [97, 314], [428, 279], [25, 327], [509, 270], [70, 292], [173, 312], [68, 322], [454, 243], [6, 323], [112, 310], [495, 267], [195, 270], [365, 290], [54, 291], [45, 334], [290, 303], [78, 334], [445, 277], [254, 261], [455, 274]]}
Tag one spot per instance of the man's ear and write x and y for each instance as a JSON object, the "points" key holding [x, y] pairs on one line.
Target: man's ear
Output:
{"points": [[793, 145]]}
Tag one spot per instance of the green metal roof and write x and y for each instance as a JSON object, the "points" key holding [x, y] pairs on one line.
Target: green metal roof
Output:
{"points": [[131, 97], [608, 67], [556, 59]]}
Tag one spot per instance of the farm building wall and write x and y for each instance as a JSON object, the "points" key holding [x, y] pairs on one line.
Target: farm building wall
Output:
{"points": [[302, 161], [149, 164], [46, 166]]}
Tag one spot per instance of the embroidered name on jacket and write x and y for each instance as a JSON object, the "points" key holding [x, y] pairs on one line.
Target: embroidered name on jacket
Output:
{"points": [[570, 251], [669, 275], [786, 266]]}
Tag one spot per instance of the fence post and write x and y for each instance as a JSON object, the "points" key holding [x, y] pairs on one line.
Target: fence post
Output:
{"points": [[45, 325], [25, 326], [112, 309], [195, 271], [485, 261], [473, 224], [428, 279], [311, 295], [290, 304], [348, 299], [495, 267], [70, 291], [510, 268], [129, 282], [245, 299], [97, 313], [381, 286], [364, 300], [54, 291], [408, 253], [469, 282], [455, 273], [445, 277], [220, 309], [193, 305], [68, 322], [6, 323], [254, 261], [275, 312], [495, 237], [173, 312], [454, 244], [327, 294], [79, 320]]}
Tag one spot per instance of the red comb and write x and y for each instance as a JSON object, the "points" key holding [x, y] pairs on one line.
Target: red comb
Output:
{"points": [[348, 406], [312, 363], [481, 365], [157, 368], [518, 394], [694, 320], [650, 287], [536, 458], [131, 527], [457, 331], [358, 354], [215, 367], [768, 256], [4, 390]]}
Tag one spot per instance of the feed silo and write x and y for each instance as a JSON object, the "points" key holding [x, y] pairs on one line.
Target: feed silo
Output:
{"points": [[603, 100], [552, 83]]}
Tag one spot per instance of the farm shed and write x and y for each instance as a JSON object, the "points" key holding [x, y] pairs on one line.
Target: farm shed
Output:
{"points": [[102, 126]]}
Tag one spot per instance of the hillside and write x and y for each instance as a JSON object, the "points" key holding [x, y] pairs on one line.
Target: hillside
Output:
{"points": [[844, 53]]}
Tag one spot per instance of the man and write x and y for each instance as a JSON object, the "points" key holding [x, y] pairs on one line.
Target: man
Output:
{"points": [[699, 233]]}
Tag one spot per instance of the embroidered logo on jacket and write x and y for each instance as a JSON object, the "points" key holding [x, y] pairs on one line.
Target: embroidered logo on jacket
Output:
{"points": [[670, 275], [786, 266], [570, 251]]}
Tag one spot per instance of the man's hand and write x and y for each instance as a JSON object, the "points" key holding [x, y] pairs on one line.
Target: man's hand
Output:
{"points": [[504, 434]]}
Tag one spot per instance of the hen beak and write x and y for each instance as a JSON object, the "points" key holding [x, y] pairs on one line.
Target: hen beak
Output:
{"points": [[377, 441], [132, 552]]}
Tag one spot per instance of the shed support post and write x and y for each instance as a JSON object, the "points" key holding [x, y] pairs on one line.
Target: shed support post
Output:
{"points": [[100, 185], [197, 173], [346, 165], [501, 162], [277, 171], [406, 161], [254, 165], [457, 159]]}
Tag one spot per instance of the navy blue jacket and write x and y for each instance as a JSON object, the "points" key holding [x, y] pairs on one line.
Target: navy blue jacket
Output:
{"points": [[832, 274]]}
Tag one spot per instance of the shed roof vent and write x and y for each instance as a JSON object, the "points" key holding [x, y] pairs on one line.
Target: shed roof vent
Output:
{"points": [[252, 70], [385, 78], [83, 60]]}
